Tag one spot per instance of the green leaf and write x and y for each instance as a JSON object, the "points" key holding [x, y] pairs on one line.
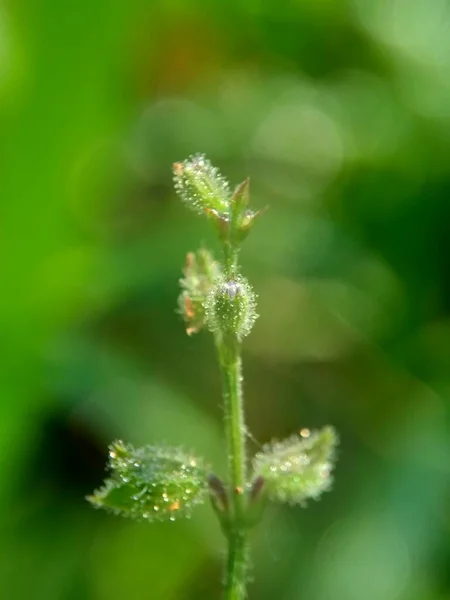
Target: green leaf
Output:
{"points": [[299, 467], [152, 483]]}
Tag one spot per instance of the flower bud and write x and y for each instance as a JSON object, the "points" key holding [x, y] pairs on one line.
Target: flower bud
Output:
{"points": [[151, 483], [297, 468], [230, 307], [201, 186], [200, 272]]}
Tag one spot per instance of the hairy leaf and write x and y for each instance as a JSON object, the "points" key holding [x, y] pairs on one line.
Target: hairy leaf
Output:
{"points": [[151, 483], [297, 468]]}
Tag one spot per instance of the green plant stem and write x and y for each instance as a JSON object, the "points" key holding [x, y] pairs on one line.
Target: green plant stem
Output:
{"points": [[230, 253], [230, 365], [236, 566]]}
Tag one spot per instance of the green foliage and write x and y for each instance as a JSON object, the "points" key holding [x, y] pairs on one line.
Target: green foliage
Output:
{"points": [[299, 467], [152, 483]]}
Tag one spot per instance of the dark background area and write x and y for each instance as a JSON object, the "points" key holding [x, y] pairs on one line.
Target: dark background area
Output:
{"points": [[339, 111]]}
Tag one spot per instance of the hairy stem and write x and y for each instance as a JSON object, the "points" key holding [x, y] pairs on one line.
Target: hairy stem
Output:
{"points": [[236, 566], [230, 364], [230, 254]]}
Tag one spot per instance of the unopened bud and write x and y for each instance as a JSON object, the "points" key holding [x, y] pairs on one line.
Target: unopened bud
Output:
{"points": [[200, 272], [200, 185], [230, 307]]}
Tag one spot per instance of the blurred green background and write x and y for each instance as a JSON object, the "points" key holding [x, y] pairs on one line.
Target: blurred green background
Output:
{"points": [[339, 111]]}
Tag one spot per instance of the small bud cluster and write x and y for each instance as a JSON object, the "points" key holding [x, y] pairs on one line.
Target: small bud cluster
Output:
{"points": [[230, 307], [203, 189], [297, 468], [200, 272], [151, 483]]}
